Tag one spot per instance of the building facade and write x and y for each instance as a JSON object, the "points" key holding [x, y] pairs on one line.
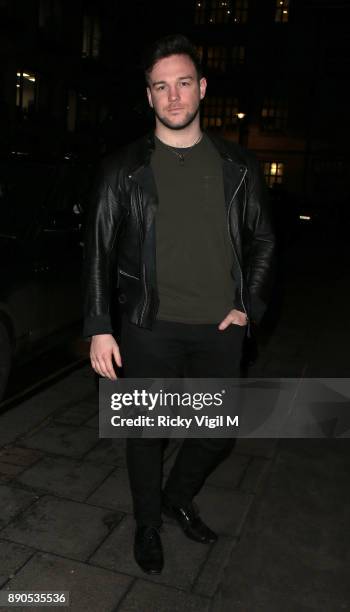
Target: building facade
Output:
{"points": [[71, 82]]}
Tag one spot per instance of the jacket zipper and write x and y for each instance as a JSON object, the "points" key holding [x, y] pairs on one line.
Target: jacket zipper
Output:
{"points": [[235, 252], [140, 219], [146, 294], [127, 274]]}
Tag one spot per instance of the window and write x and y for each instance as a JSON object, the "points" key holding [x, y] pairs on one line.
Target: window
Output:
{"points": [[200, 14], [220, 58], [91, 36], [219, 112], [282, 11], [241, 11], [71, 110], [200, 52], [26, 92], [327, 167], [221, 11], [238, 54], [274, 115], [4, 7], [216, 58], [273, 172], [50, 14]]}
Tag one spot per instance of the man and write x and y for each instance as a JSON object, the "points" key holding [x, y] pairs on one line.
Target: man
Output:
{"points": [[179, 225]]}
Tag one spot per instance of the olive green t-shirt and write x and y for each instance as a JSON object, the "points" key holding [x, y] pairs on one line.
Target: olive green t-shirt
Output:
{"points": [[194, 254]]}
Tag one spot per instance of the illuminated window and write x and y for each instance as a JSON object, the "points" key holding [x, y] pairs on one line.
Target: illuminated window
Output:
{"points": [[91, 36], [26, 92], [273, 172], [220, 113], [221, 11], [216, 58], [274, 115], [282, 11]]}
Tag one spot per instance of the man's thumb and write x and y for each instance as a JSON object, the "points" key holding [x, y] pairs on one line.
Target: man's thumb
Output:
{"points": [[117, 357]]}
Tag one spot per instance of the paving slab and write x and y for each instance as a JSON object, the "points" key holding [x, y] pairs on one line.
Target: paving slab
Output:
{"points": [[62, 440], [255, 474], [61, 527], [147, 597], [108, 450], [24, 417], [293, 553], [18, 455], [65, 477], [222, 509], [78, 384], [9, 472], [114, 492], [12, 557], [77, 414], [92, 589], [211, 573], [12, 501], [183, 558]]}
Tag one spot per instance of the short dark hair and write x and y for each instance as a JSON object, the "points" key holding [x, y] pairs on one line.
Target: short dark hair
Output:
{"points": [[173, 44]]}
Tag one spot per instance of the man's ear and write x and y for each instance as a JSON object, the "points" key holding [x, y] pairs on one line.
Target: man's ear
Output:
{"points": [[202, 87], [149, 96]]}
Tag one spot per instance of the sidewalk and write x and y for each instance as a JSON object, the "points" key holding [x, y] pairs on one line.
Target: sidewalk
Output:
{"points": [[294, 551], [66, 520]]}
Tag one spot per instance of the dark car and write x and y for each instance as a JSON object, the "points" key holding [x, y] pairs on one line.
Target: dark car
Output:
{"points": [[41, 217]]}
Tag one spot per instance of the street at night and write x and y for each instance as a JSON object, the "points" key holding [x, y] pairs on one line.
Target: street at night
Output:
{"points": [[103, 247]]}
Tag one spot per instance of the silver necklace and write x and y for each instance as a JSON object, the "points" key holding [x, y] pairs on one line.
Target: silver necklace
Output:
{"points": [[181, 156]]}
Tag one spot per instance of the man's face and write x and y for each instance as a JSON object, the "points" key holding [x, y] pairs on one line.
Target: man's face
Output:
{"points": [[174, 92]]}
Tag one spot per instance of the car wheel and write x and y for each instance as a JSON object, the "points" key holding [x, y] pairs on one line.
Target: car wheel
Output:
{"points": [[5, 358]]}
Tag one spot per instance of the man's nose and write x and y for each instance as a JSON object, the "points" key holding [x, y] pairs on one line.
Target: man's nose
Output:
{"points": [[173, 93]]}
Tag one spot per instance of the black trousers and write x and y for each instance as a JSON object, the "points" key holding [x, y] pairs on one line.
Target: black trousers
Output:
{"points": [[174, 350]]}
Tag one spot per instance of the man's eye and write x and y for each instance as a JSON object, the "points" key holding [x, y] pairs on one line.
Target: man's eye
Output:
{"points": [[184, 83], [160, 88]]}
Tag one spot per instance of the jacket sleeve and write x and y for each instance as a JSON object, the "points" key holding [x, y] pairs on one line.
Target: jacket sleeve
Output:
{"points": [[259, 259], [99, 267]]}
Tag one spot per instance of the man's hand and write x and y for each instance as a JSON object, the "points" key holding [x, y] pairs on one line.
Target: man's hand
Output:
{"points": [[103, 348], [235, 317]]}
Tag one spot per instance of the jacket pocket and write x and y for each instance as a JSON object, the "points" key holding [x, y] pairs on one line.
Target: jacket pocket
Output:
{"points": [[129, 290]]}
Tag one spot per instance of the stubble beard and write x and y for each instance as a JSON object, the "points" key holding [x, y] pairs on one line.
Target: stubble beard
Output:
{"points": [[179, 126]]}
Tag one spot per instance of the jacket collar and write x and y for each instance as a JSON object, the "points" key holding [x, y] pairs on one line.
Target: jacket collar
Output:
{"points": [[234, 167]]}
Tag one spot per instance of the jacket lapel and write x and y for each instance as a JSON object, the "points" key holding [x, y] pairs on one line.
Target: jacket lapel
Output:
{"points": [[232, 169]]}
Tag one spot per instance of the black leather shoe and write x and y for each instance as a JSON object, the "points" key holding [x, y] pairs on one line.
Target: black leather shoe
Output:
{"points": [[190, 522], [148, 549]]}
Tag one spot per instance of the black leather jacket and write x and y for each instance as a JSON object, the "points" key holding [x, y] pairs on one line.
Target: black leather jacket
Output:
{"points": [[119, 263]]}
